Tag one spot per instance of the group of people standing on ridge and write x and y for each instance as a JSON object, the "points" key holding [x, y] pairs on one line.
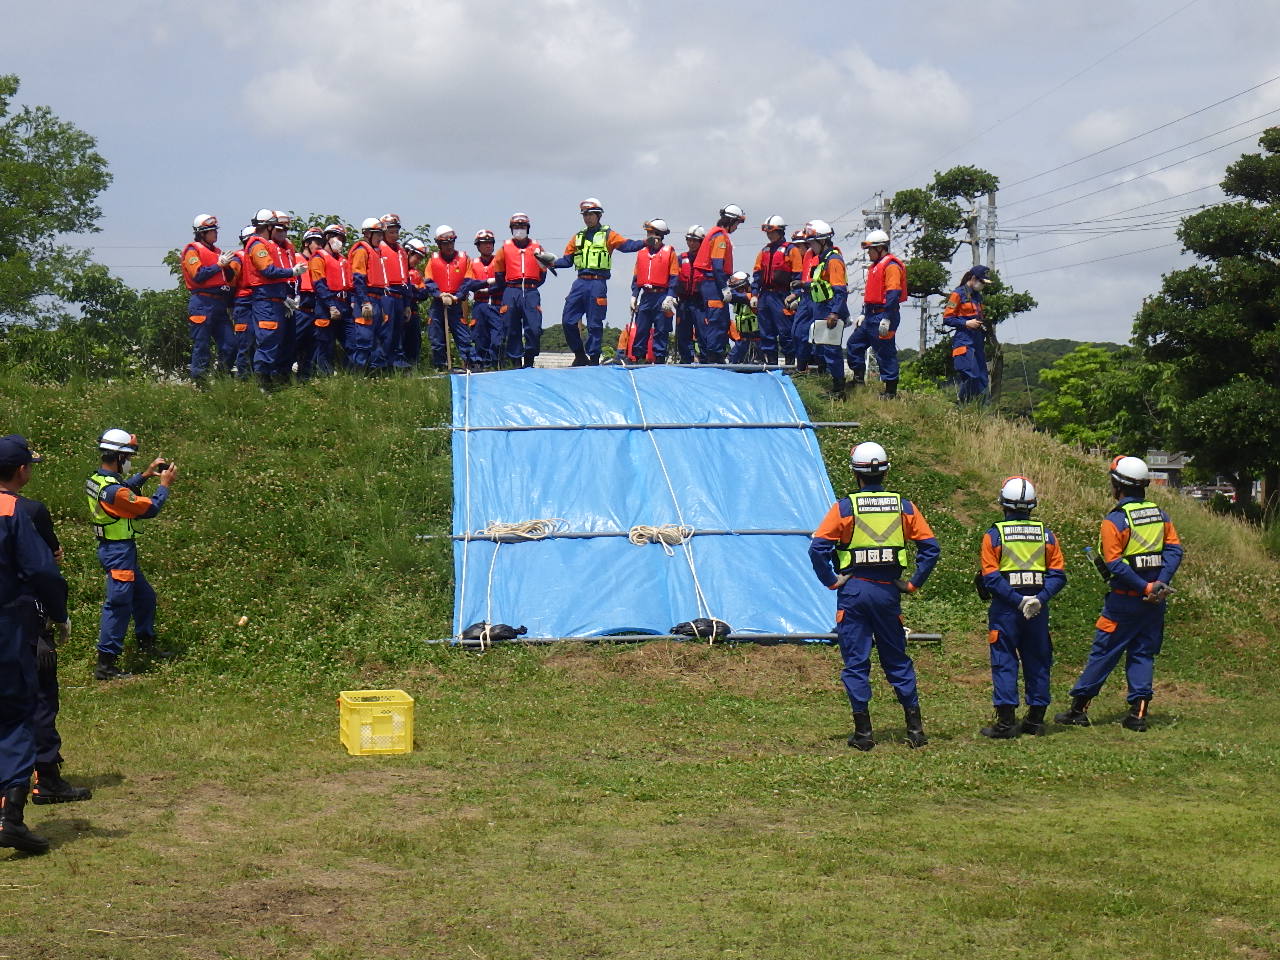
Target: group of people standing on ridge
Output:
{"points": [[859, 550], [270, 308]]}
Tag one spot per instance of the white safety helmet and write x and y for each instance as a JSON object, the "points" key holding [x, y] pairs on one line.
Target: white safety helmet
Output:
{"points": [[445, 232], [205, 221], [1018, 493], [818, 230], [246, 233], [774, 223], [590, 205], [390, 220], [869, 460], [657, 225], [1130, 471], [485, 234], [370, 224], [118, 441], [283, 219], [695, 232], [876, 238], [739, 279], [414, 245], [264, 217], [733, 212]]}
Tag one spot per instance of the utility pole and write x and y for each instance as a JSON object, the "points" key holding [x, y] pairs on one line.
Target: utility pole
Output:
{"points": [[991, 229], [971, 223]]}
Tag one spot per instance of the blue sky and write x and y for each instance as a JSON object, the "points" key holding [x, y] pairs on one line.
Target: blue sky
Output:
{"points": [[461, 113]]}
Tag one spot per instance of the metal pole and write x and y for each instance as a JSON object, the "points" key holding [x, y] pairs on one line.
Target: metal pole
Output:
{"points": [[991, 229], [764, 638], [785, 425], [592, 534]]}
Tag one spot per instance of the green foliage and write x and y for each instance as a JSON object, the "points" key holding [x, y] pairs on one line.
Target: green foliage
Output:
{"points": [[50, 176], [964, 183], [1213, 327]]}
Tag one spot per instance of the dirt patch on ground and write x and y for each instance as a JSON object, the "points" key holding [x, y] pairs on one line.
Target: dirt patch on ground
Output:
{"points": [[1183, 691], [747, 670]]}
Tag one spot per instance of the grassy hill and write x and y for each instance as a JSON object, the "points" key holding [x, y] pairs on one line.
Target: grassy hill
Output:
{"points": [[655, 801]]}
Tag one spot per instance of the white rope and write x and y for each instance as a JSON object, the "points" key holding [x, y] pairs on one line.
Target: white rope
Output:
{"points": [[669, 535], [530, 530], [786, 395], [704, 608]]}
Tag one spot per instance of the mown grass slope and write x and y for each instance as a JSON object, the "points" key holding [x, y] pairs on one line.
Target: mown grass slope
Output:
{"points": [[657, 801]]}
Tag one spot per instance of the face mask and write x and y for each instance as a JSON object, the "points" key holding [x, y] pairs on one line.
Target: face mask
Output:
{"points": [[519, 233], [126, 467], [335, 244]]}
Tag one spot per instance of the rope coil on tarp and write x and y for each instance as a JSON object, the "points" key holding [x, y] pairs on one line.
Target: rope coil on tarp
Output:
{"points": [[668, 534]]}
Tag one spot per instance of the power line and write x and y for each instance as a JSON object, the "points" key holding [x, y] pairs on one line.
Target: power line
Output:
{"points": [[1082, 263], [1075, 243], [1139, 136], [1134, 163], [1168, 166]]}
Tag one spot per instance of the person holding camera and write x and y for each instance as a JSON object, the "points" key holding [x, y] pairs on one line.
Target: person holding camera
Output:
{"points": [[115, 506]]}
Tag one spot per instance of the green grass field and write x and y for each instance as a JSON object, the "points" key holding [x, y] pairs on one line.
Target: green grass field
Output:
{"points": [[666, 800]]}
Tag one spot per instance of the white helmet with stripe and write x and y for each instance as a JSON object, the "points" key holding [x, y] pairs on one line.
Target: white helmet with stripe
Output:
{"points": [[1018, 493], [869, 460]]}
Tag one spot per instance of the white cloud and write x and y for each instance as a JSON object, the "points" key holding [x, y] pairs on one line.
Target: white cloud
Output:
{"points": [[1101, 128]]}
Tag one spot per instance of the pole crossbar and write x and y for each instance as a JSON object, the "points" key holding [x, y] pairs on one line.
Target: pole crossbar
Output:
{"points": [[592, 534], [763, 638], [783, 425]]}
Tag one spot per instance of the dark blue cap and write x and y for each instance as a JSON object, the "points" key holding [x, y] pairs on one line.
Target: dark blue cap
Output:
{"points": [[14, 452], [979, 272]]}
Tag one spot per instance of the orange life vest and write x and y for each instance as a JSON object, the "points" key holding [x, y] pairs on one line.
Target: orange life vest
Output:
{"points": [[775, 260], [395, 263], [448, 274], [520, 262], [686, 275], [375, 273], [251, 276], [703, 262], [305, 283], [483, 271], [874, 293], [337, 272], [242, 282], [654, 269], [208, 258]]}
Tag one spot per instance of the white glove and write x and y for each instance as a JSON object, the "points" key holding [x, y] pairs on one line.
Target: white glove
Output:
{"points": [[291, 304], [792, 301], [366, 311], [884, 326], [669, 306], [754, 301], [491, 282], [334, 313], [634, 303], [1029, 607], [545, 257], [225, 259], [857, 323], [299, 269], [448, 299], [726, 292]]}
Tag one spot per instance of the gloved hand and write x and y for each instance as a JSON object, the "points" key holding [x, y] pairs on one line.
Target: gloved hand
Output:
{"points": [[1160, 592], [299, 269], [754, 301], [669, 306], [1029, 607], [841, 580], [792, 301], [448, 299], [225, 258], [335, 313], [884, 326], [857, 323], [491, 282], [291, 305], [904, 586], [634, 303], [46, 655], [545, 257], [64, 631], [366, 311], [726, 293]]}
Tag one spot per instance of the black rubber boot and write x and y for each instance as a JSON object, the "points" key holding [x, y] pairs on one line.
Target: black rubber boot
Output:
{"points": [[1006, 725], [915, 727], [771, 357], [593, 361], [1137, 718], [890, 390], [49, 787], [579, 360], [1078, 715], [13, 832], [107, 669], [857, 381], [1033, 723], [528, 360], [148, 648], [789, 360], [862, 736]]}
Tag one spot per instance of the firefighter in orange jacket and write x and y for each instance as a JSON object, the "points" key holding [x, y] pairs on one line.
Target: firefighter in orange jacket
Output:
{"points": [[487, 329], [653, 294], [687, 292], [883, 297], [204, 272], [331, 278], [777, 265], [711, 269], [241, 313], [446, 271], [368, 289], [963, 314], [269, 272], [388, 350], [519, 269], [590, 252], [418, 253]]}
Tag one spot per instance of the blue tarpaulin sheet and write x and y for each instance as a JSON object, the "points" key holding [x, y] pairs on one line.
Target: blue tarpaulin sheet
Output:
{"points": [[612, 480]]}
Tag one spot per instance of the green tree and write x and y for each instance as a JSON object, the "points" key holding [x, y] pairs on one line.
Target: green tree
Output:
{"points": [[1215, 326], [50, 176], [929, 225]]}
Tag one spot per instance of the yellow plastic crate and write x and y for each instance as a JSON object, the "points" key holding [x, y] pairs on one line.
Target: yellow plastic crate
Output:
{"points": [[375, 721]]}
